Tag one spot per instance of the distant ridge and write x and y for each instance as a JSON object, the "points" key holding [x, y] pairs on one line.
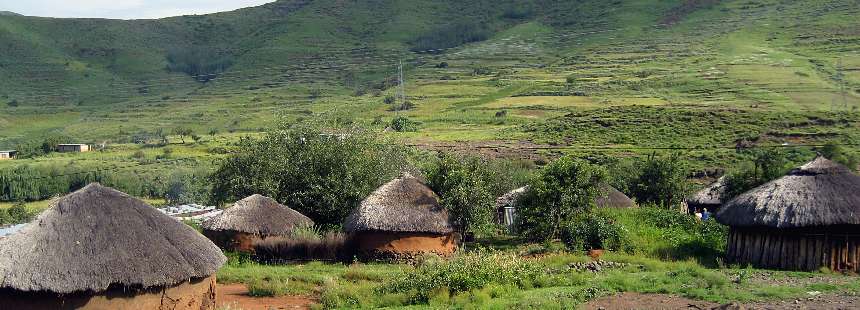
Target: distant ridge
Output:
{"points": [[7, 13]]}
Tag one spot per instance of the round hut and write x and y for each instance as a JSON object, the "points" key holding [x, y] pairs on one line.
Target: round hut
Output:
{"points": [[251, 220], [98, 248], [400, 220], [710, 197], [610, 197], [806, 220]]}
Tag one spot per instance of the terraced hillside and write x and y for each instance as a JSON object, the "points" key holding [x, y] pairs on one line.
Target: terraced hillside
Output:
{"points": [[500, 74]]}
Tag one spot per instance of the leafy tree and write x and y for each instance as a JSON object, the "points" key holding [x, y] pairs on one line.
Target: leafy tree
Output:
{"points": [[838, 154], [465, 186], [662, 180], [565, 188], [182, 132], [322, 175], [764, 165]]}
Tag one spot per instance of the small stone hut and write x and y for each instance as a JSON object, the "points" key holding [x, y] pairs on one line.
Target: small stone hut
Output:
{"points": [[400, 220], [98, 248], [251, 220], [805, 220], [710, 197]]}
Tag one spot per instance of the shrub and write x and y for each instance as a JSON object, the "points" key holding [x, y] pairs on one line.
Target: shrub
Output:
{"points": [[321, 175], [19, 213], [565, 188], [465, 187], [403, 124], [593, 231], [389, 99], [332, 246], [465, 272], [662, 180]]}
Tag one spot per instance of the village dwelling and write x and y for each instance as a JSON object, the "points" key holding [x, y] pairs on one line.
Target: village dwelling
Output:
{"points": [[610, 197], [251, 220], [710, 198], [806, 220], [5, 155], [401, 220], [98, 248], [506, 205], [73, 148]]}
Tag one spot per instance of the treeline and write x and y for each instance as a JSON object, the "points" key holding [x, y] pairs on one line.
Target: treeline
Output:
{"points": [[202, 63], [451, 36], [32, 183]]}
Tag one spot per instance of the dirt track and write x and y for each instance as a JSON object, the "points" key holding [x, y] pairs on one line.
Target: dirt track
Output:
{"points": [[235, 296]]}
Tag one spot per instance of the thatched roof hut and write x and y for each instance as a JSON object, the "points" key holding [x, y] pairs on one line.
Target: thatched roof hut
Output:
{"points": [[401, 217], [610, 197], [711, 197], [252, 219], [804, 220], [97, 242]]}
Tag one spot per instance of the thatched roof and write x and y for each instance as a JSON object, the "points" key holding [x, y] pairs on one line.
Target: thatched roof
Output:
{"points": [[711, 195], [97, 237], [820, 193], [611, 197], [402, 205], [511, 199], [260, 215]]}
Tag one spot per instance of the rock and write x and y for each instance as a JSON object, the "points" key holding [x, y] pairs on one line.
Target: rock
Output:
{"points": [[730, 306]]}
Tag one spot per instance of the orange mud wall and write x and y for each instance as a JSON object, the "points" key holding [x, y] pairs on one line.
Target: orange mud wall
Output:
{"points": [[196, 294], [233, 240], [405, 243]]}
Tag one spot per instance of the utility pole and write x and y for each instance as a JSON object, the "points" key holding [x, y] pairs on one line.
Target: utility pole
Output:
{"points": [[401, 90], [840, 76]]}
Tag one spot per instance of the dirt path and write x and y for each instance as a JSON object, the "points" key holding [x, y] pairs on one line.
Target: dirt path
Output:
{"points": [[235, 297], [626, 301]]}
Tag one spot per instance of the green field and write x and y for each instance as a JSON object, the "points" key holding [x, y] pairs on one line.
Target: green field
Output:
{"points": [[544, 64]]}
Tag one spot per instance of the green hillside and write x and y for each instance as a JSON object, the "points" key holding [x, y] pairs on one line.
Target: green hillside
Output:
{"points": [[627, 73]]}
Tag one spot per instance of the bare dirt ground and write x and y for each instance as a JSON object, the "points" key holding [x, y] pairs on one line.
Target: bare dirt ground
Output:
{"points": [[235, 297], [628, 301]]}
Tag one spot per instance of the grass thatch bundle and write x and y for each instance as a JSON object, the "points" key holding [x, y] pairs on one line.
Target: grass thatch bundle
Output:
{"points": [[402, 205], [332, 246], [98, 237], [819, 193], [258, 215]]}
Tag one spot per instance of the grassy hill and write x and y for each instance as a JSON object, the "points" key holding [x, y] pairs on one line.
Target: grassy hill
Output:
{"points": [[628, 73]]}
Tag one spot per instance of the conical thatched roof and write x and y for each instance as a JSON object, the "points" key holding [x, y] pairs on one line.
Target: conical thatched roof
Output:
{"points": [[97, 237], [820, 193], [402, 205], [258, 214], [711, 195], [612, 198]]}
